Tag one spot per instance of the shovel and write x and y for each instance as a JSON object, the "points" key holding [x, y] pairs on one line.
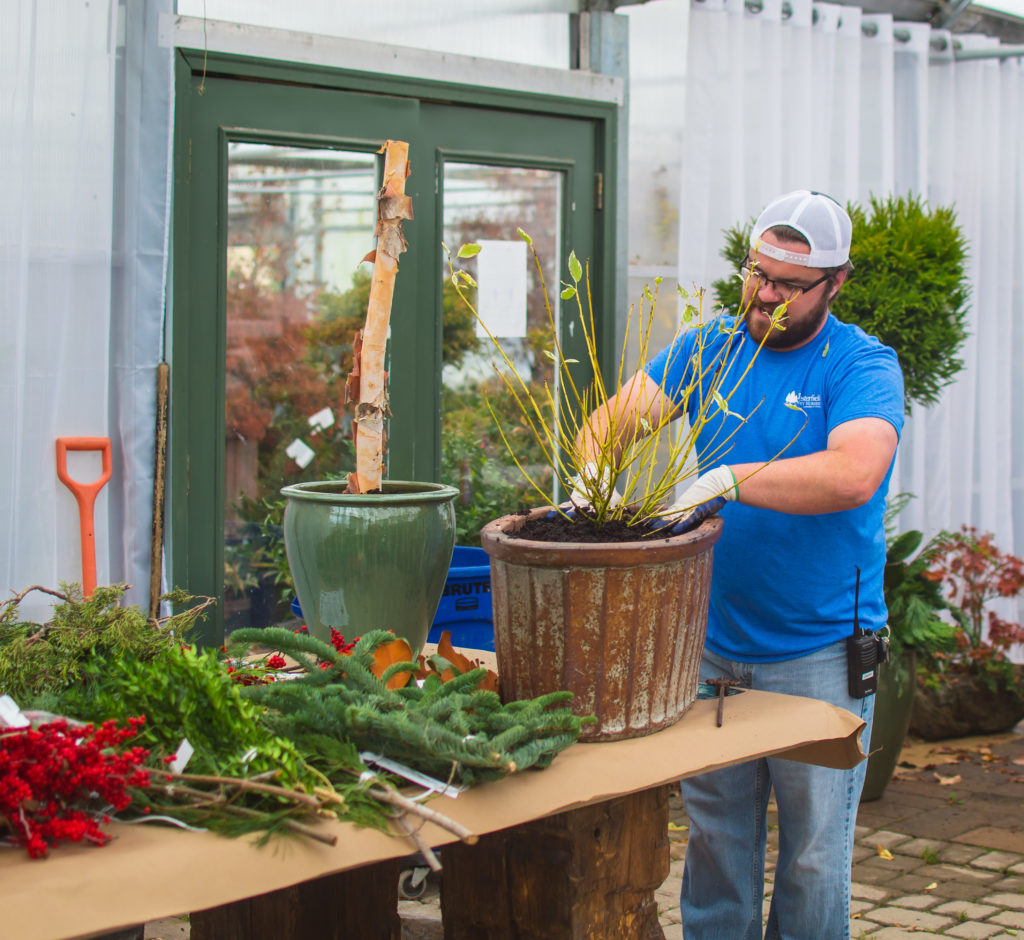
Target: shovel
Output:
{"points": [[85, 494]]}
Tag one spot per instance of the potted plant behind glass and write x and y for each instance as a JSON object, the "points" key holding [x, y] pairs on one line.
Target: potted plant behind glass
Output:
{"points": [[372, 553], [616, 609]]}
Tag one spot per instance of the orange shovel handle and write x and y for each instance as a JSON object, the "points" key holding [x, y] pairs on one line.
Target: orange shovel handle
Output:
{"points": [[85, 495]]}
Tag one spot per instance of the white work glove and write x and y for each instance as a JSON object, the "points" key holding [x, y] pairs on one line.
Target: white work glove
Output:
{"points": [[580, 500], [702, 498]]}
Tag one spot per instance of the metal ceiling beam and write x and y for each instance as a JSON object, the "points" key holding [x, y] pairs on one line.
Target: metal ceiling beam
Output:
{"points": [[949, 13]]}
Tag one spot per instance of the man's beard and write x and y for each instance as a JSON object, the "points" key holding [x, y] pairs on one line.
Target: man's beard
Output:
{"points": [[792, 333]]}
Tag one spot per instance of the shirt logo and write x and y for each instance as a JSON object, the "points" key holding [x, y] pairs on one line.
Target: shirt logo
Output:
{"points": [[803, 401]]}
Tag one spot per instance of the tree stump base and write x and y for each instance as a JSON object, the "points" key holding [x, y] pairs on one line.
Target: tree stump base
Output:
{"points": [[362, 902], [587, 874]]}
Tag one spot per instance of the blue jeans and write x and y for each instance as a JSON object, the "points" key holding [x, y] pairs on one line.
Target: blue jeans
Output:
{"points": [[723, 880]]}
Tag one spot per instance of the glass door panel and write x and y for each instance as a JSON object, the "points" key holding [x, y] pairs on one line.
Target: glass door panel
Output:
{"points": [[299, 219], [486, 205]]}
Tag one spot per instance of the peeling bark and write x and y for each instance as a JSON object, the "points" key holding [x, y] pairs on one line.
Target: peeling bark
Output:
{"points": [[393, 206]]}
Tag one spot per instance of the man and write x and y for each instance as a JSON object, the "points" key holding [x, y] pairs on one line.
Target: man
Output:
{"points": [[800, 559]]}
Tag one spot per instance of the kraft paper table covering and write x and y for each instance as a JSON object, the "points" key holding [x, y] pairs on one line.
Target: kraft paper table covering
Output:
{"points": [[152, 871]]}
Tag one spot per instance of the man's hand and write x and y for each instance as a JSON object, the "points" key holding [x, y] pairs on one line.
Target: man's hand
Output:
{"points": [[588, 480], [702, 498]]}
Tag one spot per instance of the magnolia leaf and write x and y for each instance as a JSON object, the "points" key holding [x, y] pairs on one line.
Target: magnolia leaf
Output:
{"points": [[463, 663], [467, 251], [467, 278], [526, 238], [568, 293], [445, 649], [575, 268], [549, 354], [387, 654], [675, 827], [883, 852]]}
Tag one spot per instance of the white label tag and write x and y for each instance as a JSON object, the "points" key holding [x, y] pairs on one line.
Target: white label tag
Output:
{"points": [[300, 452], [10, 715], [322, 420], [430, 784], [183, 756]]}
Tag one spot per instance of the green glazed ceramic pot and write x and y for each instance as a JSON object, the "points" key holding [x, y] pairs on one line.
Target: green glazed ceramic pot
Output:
{"points": [[372, 560]]}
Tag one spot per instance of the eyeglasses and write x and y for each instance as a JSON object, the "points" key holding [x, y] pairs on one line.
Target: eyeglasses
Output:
{"points": [[787, 290]]}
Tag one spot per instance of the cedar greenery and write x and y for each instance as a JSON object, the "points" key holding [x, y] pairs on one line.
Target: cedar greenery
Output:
{"points": [[38, 661], [909, 287]]}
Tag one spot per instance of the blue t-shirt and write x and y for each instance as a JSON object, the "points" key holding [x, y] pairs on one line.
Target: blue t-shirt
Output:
{"points": [[783, 585]]}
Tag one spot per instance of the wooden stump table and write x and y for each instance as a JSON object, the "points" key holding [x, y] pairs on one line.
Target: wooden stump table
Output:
{"points": [[581, 875], [574, 851], [359, 903]]}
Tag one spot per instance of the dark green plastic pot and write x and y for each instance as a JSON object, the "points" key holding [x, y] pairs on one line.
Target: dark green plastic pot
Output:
{"points": [[894, 700], [369, 561]]}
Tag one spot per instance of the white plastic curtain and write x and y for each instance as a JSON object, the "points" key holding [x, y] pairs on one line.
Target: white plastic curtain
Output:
{"points": [[825, 97], [56, 142], [84, 130]]}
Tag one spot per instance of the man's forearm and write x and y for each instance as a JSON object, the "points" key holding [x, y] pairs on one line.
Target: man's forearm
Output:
{"points": [[843, 476]]}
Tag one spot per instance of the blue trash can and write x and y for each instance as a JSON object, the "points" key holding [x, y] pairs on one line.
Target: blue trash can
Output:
{"points": [[465, 606]]}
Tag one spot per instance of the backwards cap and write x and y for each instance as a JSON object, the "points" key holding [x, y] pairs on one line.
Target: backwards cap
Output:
{"points": [[819, 218]]}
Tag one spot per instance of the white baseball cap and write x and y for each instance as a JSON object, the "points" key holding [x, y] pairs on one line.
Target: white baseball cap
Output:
{"points": [[819, 218]]}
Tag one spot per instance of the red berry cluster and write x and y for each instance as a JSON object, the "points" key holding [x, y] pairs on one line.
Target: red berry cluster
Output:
{"points": [[250, 675], [338, 642], [50, 774]]}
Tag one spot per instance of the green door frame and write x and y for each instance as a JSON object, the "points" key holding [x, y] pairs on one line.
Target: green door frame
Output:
{"points": [[197, 341]]}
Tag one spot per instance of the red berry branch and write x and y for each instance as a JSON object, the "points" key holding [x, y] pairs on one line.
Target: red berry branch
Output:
{"points": [[57, 781]]}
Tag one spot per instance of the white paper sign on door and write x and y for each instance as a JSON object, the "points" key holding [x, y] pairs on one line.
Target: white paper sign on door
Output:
{"points": [[501, 287]]}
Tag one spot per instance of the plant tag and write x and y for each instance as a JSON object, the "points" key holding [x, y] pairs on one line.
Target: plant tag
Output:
{"points": [[300, 452], [430, 784], [10, 715], [183, 756], [322, 420]]}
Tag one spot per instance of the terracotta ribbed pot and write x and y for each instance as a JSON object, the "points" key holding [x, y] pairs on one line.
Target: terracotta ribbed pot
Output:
{"points": [[369, 561], [620, 625]]}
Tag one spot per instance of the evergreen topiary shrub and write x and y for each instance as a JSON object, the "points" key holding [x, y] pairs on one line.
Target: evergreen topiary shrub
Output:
{"points": [[909, 287]]}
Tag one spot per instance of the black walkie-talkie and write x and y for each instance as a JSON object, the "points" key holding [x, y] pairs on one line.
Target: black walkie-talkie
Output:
{"points": [[861, 654]]}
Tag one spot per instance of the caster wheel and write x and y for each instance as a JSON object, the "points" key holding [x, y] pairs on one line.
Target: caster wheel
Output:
{"points": [[412, 883]]}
